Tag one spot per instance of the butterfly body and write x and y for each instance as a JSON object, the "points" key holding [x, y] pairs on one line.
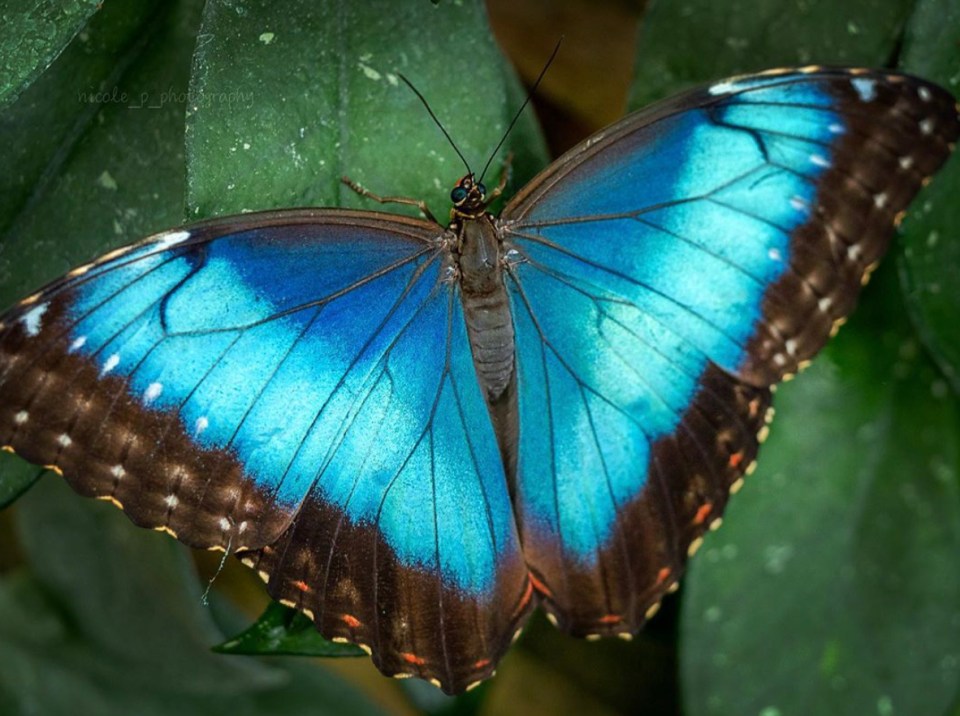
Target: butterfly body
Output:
{"points": [[480, 271], [417, 433]]}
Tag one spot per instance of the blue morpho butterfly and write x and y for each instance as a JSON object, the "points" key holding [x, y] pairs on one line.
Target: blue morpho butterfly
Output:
{"points": [[418, 433]]}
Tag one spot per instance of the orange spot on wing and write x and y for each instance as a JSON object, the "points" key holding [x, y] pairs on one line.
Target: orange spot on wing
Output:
{"points": [[302, 586], [525, 599], [412, 659], [481, 664], [663, 575], [350, 620], [736, 459], [610, 619], [702, 513], [540, 586]]}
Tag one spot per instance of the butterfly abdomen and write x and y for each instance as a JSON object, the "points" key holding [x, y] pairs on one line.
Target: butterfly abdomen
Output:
{"points": [[486, 310]]}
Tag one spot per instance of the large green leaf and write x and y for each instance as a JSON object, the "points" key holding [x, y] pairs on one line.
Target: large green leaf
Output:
{"points": [[16, 477], [110, 623], [283, 104], [832, 587], [120, 177], [34, 33], [689, 41], [123, 177], [40, 130], [930, 257], [829, 589]]}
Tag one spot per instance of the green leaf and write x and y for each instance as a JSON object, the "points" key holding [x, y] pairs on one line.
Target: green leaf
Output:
{"points": [[832, 587], [281, 630], [110, 623], [835, 555], [930, 249], [42, 128], [692, 41], [16, 477], [34, 33], [285, 103], [77, 214]]}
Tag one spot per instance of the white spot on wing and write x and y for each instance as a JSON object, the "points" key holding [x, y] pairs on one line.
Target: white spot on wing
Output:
{"points": [[78, 343], [866, 88], [152, 392], [880, 200], [819, 160], [201, 424], [926, 126], [224, 524], [835, 128], [924, 94], [775, 255], [906, 162], [118, 472], [112, 362], [171, 501], [31, 319], [172, 239], [723, 88], [21, 417], [64, 440]]}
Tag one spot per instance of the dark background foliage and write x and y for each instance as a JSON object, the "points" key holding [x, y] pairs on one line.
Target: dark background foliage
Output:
{"points": [[833, 586]]}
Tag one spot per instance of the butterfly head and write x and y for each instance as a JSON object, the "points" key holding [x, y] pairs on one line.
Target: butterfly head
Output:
{"points": [[469, 197]]}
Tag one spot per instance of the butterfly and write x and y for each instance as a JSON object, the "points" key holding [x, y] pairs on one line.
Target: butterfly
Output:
{"points": [[418, 433]]}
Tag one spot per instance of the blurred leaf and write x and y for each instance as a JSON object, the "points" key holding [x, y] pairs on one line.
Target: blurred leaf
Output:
{"points": [[110, 625], [684, 42], [930, 255], [832, 587], [285, 103], [16, 477], [281, 630], [41, 129], [34, 33]]}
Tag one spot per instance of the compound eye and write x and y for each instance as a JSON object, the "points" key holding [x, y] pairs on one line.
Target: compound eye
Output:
{"points": [[458, 194]]}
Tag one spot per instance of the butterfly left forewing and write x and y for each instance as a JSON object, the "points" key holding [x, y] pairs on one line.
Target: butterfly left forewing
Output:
{"points": [[294, 387], [667, 272]]}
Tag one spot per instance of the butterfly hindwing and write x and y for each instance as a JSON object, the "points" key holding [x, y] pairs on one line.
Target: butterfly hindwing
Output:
{"points": [[666, 273], [444, 597], [295, 387]]}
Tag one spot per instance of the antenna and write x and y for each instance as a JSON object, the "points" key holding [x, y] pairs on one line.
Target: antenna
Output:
{"points": [[436, 121], [533, 89]]}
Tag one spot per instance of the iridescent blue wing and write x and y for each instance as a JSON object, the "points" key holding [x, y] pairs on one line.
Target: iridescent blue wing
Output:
{"points": [[295, 387], [665, 274]]}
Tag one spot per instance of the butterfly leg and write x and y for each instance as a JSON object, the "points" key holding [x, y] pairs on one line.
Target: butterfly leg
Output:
{"points": [[362, 191]]}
